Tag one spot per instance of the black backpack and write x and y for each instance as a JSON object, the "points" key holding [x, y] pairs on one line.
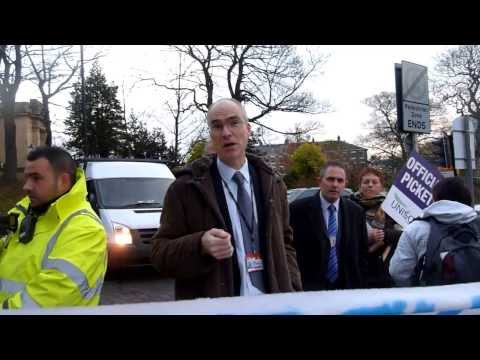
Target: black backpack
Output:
{"points": [[452, 256]]}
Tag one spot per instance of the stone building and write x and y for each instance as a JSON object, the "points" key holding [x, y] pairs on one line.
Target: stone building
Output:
{"points": [[30, 130]]}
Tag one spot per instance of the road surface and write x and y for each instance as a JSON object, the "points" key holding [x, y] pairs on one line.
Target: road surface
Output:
{"points": [[136, 285]]}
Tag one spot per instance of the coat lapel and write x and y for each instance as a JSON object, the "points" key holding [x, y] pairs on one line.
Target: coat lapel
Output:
{"points": [[316, 215], [319, 229], [342, 228], [263, 188], [203, 180]]}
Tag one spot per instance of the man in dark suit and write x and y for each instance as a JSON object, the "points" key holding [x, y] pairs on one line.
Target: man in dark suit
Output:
{"points": [[330, 235]]}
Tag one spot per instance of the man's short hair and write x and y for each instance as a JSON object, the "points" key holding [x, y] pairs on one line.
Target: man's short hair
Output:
{"points": [[328, 164], [235, 101], [59, 159], [453, 189]]}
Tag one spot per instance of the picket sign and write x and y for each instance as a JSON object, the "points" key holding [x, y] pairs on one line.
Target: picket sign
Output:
{"points": [[446, 300], [411, 191]]}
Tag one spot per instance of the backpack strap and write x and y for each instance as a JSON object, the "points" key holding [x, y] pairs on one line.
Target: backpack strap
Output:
{"points": [[433, 243], [424, 269], [475, 226], [417, 275]]}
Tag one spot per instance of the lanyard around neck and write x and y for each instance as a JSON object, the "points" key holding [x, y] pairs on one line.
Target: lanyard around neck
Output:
{"points": [[250, 229]]}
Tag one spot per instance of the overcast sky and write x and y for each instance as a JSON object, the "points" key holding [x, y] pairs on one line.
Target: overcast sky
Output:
{"points": [[351, 74]]}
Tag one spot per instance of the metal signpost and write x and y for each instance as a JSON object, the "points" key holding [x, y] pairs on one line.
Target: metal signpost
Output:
{"points": [[413, 109], [463, 130], [413, 116]]}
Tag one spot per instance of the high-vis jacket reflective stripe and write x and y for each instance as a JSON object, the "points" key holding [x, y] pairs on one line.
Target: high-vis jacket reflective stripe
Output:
{"points": [[73, 272], [21, 208], [11, 286], [64, 264]]}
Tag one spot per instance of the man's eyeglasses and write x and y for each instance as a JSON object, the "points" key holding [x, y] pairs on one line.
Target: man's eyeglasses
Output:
{"points": [[217, 127]]}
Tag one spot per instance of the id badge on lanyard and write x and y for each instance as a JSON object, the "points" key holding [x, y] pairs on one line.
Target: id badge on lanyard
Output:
{"points": [[254, 261]]}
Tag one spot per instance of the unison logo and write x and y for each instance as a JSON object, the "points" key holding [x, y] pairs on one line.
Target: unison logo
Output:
{"points": [[400, 208]]}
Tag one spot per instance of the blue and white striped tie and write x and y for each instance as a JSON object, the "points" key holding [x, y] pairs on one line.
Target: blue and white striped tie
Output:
{"points": [[332, 270]]}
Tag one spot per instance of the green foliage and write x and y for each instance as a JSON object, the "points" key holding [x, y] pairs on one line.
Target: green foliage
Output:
{"points": [[305, 166], [291, 180], [196, 150], [142, 143], [104, 125]]}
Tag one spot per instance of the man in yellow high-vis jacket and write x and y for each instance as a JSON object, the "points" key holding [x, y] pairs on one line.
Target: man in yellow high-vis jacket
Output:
{"points": [[57, 256]]}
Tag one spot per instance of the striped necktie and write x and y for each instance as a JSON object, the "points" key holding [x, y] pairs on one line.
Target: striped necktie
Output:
{"points": [[332, 269]]}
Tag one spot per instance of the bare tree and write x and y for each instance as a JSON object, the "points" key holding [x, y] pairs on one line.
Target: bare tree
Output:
{"points": [[181, 108], [181, 112], [302, 132], [200, 80], [385, 138], [10, 78], [457, 82], [266, 78], [52, 69], [457, 79]]}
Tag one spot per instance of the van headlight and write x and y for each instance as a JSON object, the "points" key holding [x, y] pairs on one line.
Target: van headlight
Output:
{"points": [[121, 234]]}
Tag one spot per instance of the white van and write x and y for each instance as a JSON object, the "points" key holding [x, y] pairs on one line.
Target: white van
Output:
{"points": [[128, 196]]}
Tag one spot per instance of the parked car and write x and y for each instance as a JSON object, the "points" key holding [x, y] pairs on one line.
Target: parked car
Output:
{"points": [[300, 193], [128, 196], [292, 194], [347, 192]]}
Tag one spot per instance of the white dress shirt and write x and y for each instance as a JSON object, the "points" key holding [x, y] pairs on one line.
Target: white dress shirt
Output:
{"points": [[226, 172], [326, 214]]}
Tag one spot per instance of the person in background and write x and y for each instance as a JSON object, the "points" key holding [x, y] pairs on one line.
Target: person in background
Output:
{"points": [[383, 232], [330, 235]]}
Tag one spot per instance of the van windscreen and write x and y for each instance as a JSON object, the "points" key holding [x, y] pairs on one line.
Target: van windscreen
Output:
{"points": [[130, 193]]}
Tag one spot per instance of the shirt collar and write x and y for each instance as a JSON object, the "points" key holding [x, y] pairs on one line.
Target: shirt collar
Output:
{"points": [[325, 203], [227, 172]]}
